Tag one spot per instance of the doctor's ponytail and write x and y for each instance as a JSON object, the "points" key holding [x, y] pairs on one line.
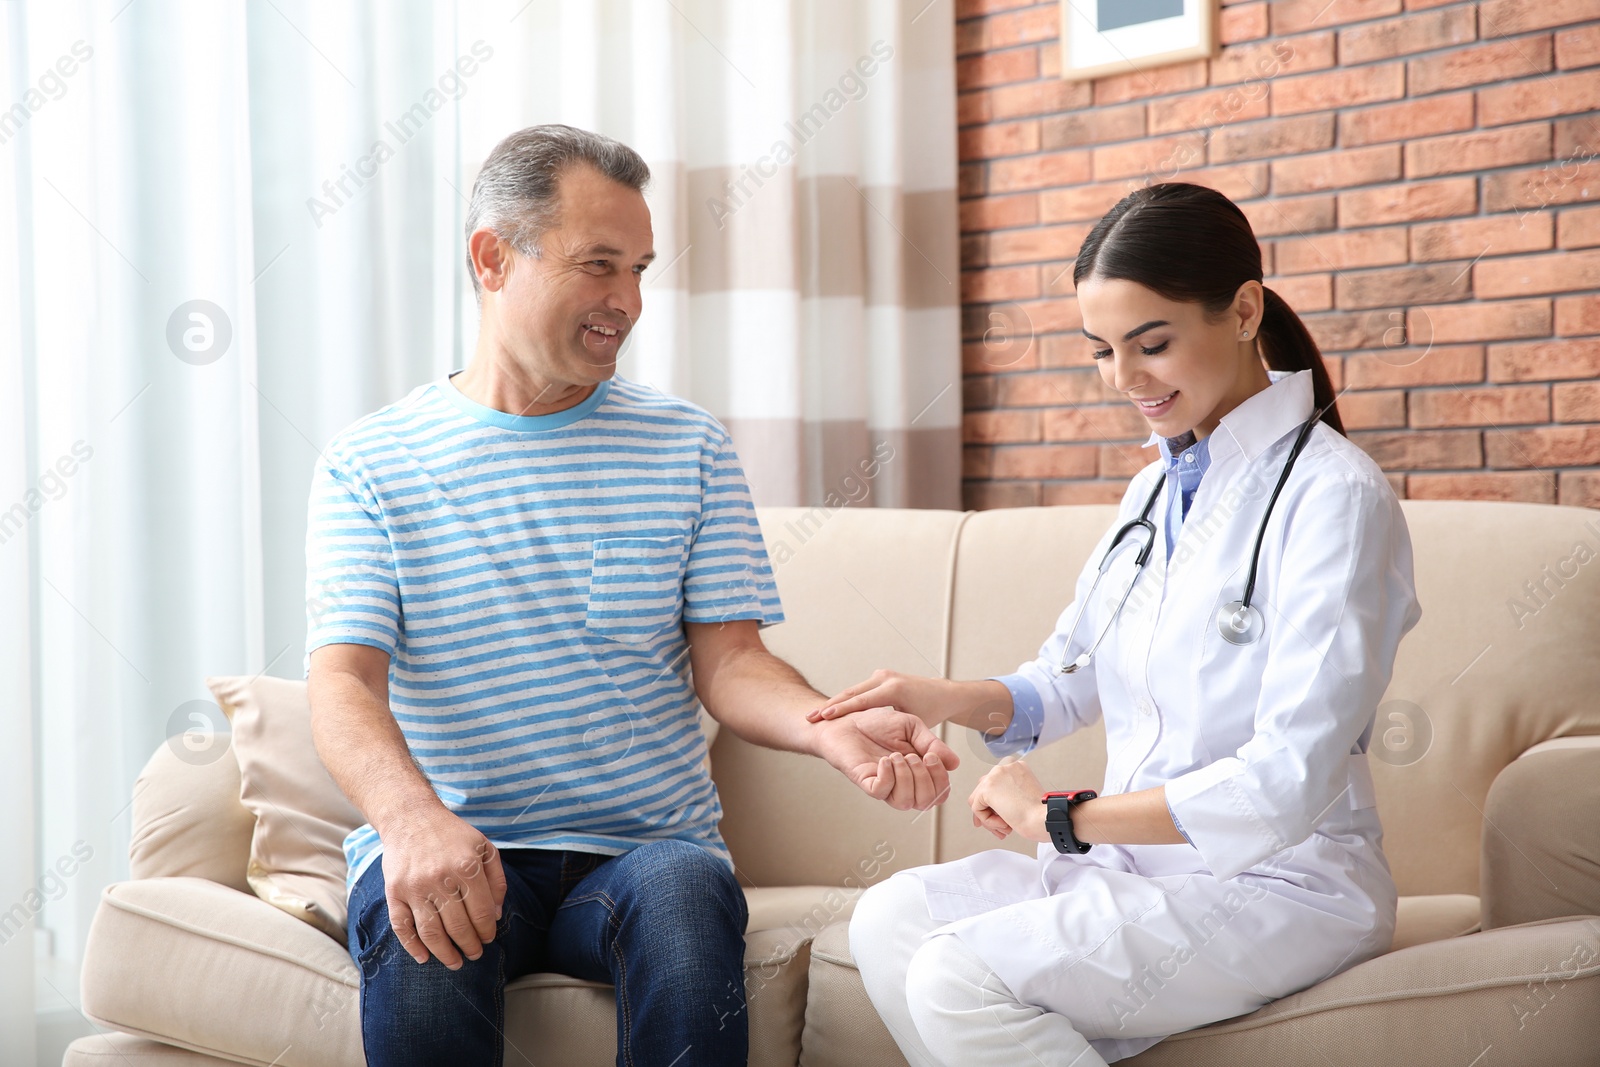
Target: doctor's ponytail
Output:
{"points": [[1193, 244]]}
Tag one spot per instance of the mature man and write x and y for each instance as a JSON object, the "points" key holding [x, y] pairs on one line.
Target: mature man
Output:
{"points": [[517, 567]]}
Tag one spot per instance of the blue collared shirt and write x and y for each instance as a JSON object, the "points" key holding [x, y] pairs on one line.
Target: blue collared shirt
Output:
{"points": [[1186, 460]]}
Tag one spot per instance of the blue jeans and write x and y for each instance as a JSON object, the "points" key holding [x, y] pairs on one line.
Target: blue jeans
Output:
{"points": [[663, 923]]}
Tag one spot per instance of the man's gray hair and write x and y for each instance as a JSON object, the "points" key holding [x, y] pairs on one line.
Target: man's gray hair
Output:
{"points": [[516, 192]]}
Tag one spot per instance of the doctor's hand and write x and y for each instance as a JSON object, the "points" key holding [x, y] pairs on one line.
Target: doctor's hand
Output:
{"points": [[1008, 799], [982, 705], [891, 756]]}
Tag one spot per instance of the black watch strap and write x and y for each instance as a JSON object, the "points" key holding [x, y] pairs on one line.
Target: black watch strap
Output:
{"points": [[1058, 820]]}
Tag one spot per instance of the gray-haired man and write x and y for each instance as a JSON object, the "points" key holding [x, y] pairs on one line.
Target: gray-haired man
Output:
{"points": [[529, 555]]}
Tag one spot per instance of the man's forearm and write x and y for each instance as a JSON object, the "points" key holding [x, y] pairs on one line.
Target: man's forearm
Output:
{"points": [[761, 699], [360, 743]]}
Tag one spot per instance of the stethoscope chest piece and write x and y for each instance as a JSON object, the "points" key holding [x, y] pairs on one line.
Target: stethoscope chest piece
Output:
{"points": [[1239, 623]]}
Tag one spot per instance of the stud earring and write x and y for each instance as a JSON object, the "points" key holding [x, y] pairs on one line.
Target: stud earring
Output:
{"points": [[1245, 336]]}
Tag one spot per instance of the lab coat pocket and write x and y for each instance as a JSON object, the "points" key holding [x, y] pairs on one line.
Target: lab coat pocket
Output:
{"points": [[635, 587]]}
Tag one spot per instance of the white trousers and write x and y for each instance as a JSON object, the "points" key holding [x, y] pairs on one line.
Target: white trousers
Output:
{"points": [[934, 993]]}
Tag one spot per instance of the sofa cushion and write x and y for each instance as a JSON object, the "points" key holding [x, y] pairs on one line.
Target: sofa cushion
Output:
{"points": [[179, 959], [1541, 840], [297, 851], [1531, 991], [187, 819], [117, 1050], [1433, 918]]}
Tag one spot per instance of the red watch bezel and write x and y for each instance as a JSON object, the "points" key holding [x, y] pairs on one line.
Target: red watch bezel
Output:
{"points": [[1069, 794]]}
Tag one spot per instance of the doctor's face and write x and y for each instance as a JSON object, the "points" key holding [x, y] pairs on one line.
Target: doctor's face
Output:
{"points": [[1180, 368]]}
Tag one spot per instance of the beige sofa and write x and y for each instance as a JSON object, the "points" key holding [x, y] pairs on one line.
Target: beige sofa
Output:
{"points": [[1489, 787]]}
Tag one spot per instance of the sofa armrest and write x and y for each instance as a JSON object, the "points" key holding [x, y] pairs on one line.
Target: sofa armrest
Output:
{"points": [[1541, 840]]}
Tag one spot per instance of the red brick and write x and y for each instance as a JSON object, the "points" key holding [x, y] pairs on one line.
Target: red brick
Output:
{"points": [[1501, 18], [1348, 331], [1093, 126], [1490, 405], [998, 139], [1580, 489], [1145, 84], [1543, 361], [1533, 487], [1496, 61], [1028, 26], [1373, 411], [966, 9], [974, 250], [1051, 316], [1239, 182], [1554, 272], [1409, 203], [1243, 22], [1302, 215], [1038, 98], [1001, 347], [1297, 16], [1578, 48], [1496, 235], [1305, 292], [1406, 120], [997, 68], [1261, 62], [1111, 422], [1408, 34], [1066, 350], [1084, 202], [999, 212], [1575, 402], [1539, 98], [1336, 170], [1401, 286], [984, 496], [1409, 450], [1549, 446], [1153, 156], [1358, 85], [992, 427], [1577, 139], [1033, 172], [973, 108], [1577, 315], [1213, 107], [1555, 183], [1096, 492], [1037, 243], [1272, 138], [977, 461], [1341, 251], [971, 179], [1046, 461], [1009, 283], [1483, 150], [1435, 365], [1503, 321], [1052, 389], [1578, 227], [1055, 276]]}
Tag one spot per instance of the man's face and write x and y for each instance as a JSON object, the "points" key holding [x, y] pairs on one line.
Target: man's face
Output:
{"points": [[566, 312]]}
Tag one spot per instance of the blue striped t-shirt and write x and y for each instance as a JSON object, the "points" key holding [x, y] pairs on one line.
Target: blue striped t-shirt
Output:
{"points": [[529, 576]]}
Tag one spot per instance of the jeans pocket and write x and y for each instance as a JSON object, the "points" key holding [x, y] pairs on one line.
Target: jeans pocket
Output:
{"points": [[635, 587]]}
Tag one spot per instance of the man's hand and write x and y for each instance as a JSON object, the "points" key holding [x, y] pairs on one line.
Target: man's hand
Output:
{"points": [[891, 755], [444, 885], [1009, 798]]}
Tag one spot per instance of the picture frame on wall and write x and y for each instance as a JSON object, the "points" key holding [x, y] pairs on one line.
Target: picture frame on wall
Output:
{"points": [[1100, 37]]}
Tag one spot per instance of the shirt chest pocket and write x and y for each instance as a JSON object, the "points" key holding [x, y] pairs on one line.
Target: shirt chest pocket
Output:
{"points": [[635, 587]]}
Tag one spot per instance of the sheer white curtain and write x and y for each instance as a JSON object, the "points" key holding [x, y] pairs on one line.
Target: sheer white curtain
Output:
{"points": [[228, 229]]}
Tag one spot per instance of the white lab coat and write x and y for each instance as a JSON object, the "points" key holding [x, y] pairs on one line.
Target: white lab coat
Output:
{"points": [[1261, 748]]}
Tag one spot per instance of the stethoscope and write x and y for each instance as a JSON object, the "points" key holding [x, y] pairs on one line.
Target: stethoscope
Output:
{"points": [[1238, 621]]}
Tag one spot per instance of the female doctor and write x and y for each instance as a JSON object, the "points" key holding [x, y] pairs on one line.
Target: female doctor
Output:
{"points": [[1234, 854]]}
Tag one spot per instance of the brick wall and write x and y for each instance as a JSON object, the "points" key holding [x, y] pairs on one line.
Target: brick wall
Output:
{"points": [[1419, 174]]}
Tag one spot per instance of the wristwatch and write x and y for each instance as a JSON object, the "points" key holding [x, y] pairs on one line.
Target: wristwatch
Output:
{"points": [[1058, 819]]}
